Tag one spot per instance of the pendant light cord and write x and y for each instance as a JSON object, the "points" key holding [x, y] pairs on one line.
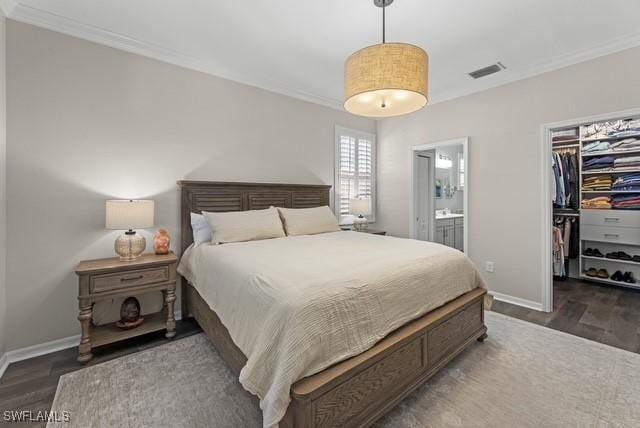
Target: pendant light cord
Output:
{"points": [[384, 6]]}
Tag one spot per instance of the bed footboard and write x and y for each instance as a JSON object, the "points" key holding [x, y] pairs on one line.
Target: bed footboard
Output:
{"points": [[358, 391]]}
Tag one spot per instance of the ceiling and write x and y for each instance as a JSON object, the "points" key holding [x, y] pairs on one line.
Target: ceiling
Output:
{"points": [[298, 47]]}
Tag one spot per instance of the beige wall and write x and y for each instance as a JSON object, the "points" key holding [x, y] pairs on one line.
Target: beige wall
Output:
{"points": [[504, 154], [3, 183], [87, 123]]}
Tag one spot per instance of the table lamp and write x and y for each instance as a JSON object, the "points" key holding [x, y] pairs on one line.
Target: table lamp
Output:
{"points": [[360, 207], [128, 215]]}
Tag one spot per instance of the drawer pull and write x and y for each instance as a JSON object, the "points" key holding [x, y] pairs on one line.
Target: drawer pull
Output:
{"points": [[611, 220], [132, 278], [611, 235]]}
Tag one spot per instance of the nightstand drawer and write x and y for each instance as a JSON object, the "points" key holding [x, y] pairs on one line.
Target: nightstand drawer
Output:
{"points": [[132, 278]]}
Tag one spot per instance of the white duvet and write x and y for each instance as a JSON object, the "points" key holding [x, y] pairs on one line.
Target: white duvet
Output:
{"points": [[299, 304]]}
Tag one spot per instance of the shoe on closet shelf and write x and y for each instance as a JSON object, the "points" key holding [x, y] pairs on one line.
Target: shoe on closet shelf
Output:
{"points": [[628, 278], [636, 258], [619, 255], [597, 253], [592, 272], [602, 273], [588, 252], [623, 256], [617, 276]]}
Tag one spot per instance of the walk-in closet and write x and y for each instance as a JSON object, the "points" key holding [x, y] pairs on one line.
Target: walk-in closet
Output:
{"points": [[594, 175], [596, 202]]}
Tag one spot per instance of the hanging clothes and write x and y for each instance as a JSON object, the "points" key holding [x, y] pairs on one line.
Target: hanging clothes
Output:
{"points": [[566, 244], [566, 191], [574, 180], [558, 253]]}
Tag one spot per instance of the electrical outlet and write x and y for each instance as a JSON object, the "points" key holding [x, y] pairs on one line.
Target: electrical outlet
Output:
{"points": [[489, 267]]}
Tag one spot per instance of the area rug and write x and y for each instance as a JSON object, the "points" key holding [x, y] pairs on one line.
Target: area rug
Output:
{"points": [[524, 375]]}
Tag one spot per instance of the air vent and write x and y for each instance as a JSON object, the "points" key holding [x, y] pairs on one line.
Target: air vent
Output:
{"points": [[493, 68]]}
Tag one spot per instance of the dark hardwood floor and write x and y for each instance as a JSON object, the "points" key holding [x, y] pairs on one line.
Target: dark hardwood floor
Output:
{"points": [[31, 384], [606, 314]]}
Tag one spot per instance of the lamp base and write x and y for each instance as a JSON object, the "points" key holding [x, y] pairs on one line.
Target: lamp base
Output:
{"points": [[130, 246], [360, 224]]}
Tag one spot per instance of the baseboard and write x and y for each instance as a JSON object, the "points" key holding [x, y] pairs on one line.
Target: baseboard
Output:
{"points": [[43, 349], [537, 306], [4, 363]]}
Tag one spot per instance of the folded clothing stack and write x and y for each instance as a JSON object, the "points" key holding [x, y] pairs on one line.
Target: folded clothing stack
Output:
{"points": [[627, 182], [627, 202], [598, 163], [625, 145], [627, 162], [601, 202], [596, 147], [602, 182], [565, 135], [616, 128]]}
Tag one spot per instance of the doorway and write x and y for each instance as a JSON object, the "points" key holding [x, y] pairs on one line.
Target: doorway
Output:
{"points": [[439, 181], [556, 138]]}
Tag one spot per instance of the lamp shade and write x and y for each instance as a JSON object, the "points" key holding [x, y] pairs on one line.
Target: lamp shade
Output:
{"points": [[129, 214], [388, 79], [360, 206]]}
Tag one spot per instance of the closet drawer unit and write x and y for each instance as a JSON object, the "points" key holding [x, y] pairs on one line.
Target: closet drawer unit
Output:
{"points": [[617, 218], [622, 235]]}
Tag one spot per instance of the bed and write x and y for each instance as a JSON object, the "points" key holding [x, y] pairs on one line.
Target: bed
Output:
{"points": [[342, 388]]}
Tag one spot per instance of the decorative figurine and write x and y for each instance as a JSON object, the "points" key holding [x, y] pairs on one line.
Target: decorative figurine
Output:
{"points": [[161, 242], [130, 314]]}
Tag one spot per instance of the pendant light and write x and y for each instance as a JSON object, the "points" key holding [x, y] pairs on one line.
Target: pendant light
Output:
{"points": [[388, 79]]}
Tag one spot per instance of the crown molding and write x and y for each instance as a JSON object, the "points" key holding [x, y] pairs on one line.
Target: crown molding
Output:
{"points": [[7, 7], [563, 61], [13, 9], [50, 21]]}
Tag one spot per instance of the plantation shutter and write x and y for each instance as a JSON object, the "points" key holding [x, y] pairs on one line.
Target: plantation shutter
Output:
{"points": [[355, 171]]}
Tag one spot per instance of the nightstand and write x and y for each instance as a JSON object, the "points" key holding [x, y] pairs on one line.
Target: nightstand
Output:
{"points": [[371, 231], [105, 279], [375, 231]]}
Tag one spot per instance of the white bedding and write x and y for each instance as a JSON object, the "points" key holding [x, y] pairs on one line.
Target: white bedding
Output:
{"points": [[299, 304]]}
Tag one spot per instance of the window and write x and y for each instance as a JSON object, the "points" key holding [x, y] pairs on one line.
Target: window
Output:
{"points": [[355, 171]]}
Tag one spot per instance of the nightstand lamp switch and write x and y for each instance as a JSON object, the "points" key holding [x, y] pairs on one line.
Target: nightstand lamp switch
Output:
{"points": [[360, 207], [129, 215]]}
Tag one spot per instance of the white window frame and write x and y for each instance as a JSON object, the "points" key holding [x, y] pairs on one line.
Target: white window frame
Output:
{"points": [[462, 178], [341, 130]]}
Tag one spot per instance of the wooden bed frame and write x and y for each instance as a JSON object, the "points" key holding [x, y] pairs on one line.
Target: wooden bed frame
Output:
{"points": [[357, 391]]}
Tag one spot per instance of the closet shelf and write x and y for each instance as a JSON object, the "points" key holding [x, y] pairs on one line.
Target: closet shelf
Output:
{"points": [[609, 281], [564, 212], [610, 153], [626, 244], [611, 171], [611, 192], [591, 140], [565, 146], [574, 141], [628, 262]]}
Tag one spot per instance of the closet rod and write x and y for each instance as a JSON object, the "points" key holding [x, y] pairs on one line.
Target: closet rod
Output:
{"points": [[566, 146]]}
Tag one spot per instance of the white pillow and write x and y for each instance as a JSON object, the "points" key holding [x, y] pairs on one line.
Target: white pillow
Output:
{"points": [[201, 229], [241, 226], [308, 221]]}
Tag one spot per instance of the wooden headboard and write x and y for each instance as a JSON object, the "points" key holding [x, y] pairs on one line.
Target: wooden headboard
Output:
{"points": [[212, 196]]}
